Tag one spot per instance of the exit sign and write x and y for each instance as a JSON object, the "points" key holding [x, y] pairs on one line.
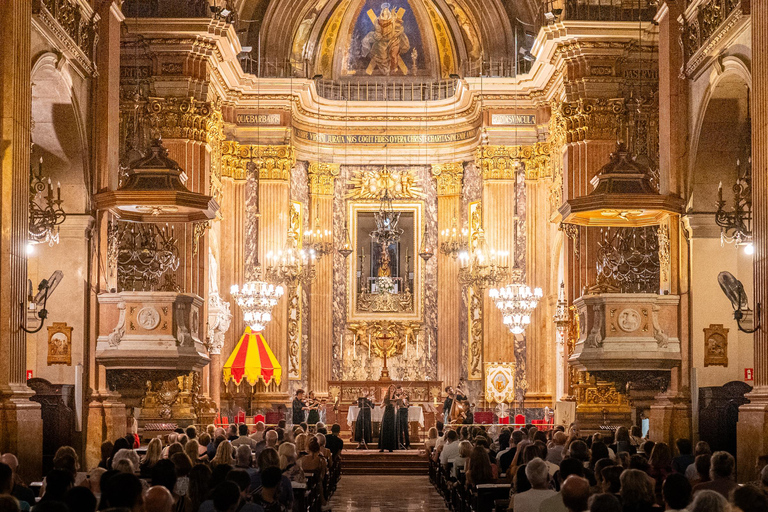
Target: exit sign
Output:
{"points": [[29, 374], [749, 374]]}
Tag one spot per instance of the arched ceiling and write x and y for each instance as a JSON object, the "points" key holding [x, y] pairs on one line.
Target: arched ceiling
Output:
{"points": [[320, 35]]}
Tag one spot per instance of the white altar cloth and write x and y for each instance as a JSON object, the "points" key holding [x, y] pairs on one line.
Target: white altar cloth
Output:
{"points": [[415, 413]]}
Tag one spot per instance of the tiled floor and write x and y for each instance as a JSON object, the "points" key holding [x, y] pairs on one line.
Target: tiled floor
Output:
{"points": [[386, 493]]}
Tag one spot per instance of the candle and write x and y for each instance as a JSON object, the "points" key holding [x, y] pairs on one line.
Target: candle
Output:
{"points": [[369, 346], [354, 346], [58, 190]]}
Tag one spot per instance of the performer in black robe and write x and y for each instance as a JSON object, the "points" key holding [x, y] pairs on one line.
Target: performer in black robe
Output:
{"points": [[363, 429], [298, 407], [313, 418], [387, 434], [401, 397]]}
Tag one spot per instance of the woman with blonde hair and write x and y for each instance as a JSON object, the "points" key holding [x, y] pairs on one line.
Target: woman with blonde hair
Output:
{"points": [[154, 454], [431, 441], [465, 450], [301, 444], [192, 449], [223, 454], [293, 471]]}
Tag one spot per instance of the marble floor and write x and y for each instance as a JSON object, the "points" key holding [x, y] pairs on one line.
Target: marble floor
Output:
{"points": [[384, 493]]}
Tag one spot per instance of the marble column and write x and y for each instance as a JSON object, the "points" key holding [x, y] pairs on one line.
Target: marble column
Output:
{"points": [[449, 181], [670, 417], [753, 417], [21, 431], [274, 168], [321, 184], [105, 416]]}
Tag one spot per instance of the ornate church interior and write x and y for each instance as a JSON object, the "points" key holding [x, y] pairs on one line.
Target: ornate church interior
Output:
{"points": [[499, 215]]}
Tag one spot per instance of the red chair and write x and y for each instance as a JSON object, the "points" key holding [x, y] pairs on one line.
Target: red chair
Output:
{"points": [[273, 417], [240, 417], [221, 421], [520, 419], [258, 418], [538, 423], [504, 420]]}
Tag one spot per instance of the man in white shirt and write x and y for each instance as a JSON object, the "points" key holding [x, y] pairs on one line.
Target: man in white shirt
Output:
{"points": [[450, 448], [258, 431], [537, 473], [243, 438]]}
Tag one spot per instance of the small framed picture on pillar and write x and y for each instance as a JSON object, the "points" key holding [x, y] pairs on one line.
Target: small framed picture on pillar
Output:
{"points": [[59, 344]]}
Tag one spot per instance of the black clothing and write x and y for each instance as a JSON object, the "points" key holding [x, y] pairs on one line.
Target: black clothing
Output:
{"points": [[334, 443], [506, 459], [402, 427], [298, 412], [313, 418], [22, 493], [363, 429], [387, 435], [447, 404]]}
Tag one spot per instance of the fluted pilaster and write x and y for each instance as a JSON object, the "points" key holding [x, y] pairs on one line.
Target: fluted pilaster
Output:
{"points": [[321, 183], [449, 180]]}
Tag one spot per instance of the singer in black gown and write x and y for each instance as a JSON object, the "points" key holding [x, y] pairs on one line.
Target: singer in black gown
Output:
{"points": [[363, 429], [388, 434]]}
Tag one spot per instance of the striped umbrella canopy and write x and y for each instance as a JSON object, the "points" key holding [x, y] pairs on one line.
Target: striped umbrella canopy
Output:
{"points": [[252, 359]]}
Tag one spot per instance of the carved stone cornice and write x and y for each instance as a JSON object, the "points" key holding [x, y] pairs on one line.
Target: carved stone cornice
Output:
{"points": [[321, 178], [498, 162], [704, 27], [276, 161], [74, 24], [592, 119], [449, 178]]}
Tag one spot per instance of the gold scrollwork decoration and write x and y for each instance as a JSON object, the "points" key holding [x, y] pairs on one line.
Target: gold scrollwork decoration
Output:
{"points": [[276, 162], [198, 232], [449, 178], [294, 333], [321, 178], [499, 162], [475, 348], [400, 183], [386, 337]]}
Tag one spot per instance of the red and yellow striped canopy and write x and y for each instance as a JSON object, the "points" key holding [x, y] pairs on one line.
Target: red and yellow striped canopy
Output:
{"points": [[252, 360]]}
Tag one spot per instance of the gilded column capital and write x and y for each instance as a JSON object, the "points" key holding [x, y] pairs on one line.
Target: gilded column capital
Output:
{"points": [[499, 162], [449, 178], [321, 177], [276, 162], [593, 118]]}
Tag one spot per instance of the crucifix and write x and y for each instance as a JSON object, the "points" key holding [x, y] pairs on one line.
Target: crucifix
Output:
{"points": [[385, 342]]}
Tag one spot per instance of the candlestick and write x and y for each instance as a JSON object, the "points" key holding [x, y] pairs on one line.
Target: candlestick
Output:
{"points": [[354, 346], [369, 346], [58, 190]]}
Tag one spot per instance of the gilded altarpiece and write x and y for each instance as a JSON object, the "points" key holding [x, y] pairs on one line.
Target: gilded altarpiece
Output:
{"points": [[413, 190]]}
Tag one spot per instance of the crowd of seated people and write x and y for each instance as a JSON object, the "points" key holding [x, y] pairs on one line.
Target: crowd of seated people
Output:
{"points": [[480, 469], [219, 470]]}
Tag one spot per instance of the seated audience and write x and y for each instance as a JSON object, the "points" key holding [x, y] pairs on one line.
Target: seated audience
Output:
{"points": [[537, 473], [707, 500], [676, 492], [721, 475]]}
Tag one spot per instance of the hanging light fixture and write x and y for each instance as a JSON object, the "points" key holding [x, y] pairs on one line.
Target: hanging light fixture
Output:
{"points": [[346, 246], [455, 241], [562, 318], [425, 251], [516, 303], [317, 240], [45, 212], [481, 267], [736, 223], [257, 297], [386, 219]]}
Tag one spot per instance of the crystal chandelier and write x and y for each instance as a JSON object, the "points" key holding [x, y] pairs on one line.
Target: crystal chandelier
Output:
{"points": [[482, 267], [386, 232], [455, 241], [292, 266], [516, 302], [147, 256], [45, 212], [256, 299], [318, 240]]}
